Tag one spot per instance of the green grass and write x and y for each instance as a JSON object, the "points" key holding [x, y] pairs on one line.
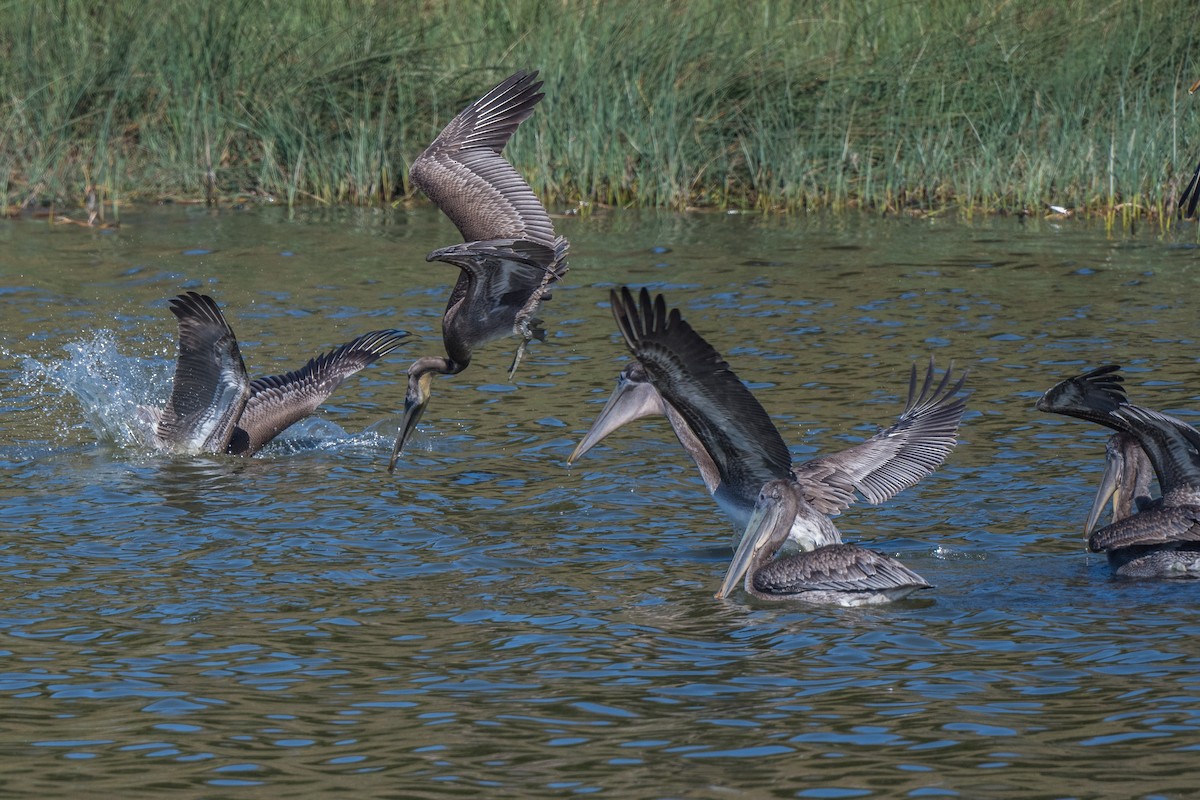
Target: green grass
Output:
{"points": [[887, 106]]}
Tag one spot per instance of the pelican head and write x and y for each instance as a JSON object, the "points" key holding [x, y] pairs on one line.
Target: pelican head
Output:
{"points": [[633, 398], [769, 527], [420, 379], [1126, 480]]}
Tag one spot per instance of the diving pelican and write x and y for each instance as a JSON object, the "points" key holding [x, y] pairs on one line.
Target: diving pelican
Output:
{"points": [[214, 406], [748, 468], [1161, 540], [510, 257]]}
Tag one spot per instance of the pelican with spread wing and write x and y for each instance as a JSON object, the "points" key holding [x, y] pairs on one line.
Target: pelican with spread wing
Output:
{"points": [[749, 470], [216, 408], [511, 256]]}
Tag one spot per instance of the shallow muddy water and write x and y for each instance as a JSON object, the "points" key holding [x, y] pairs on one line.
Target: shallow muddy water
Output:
{"points": [[489, 622]]}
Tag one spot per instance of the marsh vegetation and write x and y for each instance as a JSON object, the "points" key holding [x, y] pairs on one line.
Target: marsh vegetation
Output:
{"points": [[777, 106]]}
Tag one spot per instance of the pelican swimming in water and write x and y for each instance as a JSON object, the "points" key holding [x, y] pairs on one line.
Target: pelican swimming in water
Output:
{"points": [[214, 406], [510, 257], [748, 468], [1161, 540]]}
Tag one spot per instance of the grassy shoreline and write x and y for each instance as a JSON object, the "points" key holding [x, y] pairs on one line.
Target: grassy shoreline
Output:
{"points": [[776, 106]]}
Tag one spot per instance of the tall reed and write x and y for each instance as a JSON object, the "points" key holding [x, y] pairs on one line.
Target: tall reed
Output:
{"points": [[775, 105]]}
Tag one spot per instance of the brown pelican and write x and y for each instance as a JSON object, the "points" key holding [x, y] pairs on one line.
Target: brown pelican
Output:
{"points": [[893, 459], [748, 467], [511, 255], [833, 573], [1162, 539], [216, 408]]}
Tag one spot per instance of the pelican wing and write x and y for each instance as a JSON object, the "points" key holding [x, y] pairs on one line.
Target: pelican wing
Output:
{"points": [[691, 376], [894, 458], [210, 387], [835, 568], [278, 401], [464, 173], [1172, 445], [1160, 525], [1090, 396]]}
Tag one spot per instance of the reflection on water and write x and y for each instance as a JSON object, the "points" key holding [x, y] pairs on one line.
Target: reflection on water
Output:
{"points": [[488, 622]]}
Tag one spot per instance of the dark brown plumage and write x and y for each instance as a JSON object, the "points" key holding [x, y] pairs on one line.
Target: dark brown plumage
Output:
{"points": [[465, 175], [839, 574], [511, 256], [1162, 539], [1189, 197], [893, 459], [215, 408], [727, 431], [211, 388]]}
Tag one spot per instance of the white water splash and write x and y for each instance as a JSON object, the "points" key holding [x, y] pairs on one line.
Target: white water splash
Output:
{"points": [[117, 396], [111, 389], [955, 554]]}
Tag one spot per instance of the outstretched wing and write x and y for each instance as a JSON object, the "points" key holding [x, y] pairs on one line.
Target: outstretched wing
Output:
{"points": [[894, 458], [1090, 396], [690, 375], [464, 173], [1172, 445], [279, 401], [211, 387]]}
